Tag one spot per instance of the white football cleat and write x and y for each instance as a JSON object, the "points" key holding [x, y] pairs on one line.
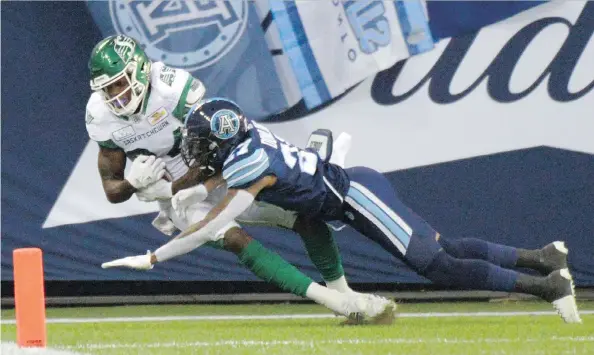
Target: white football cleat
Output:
{"points": [[138, 262], [370, 309], [564, 297]]}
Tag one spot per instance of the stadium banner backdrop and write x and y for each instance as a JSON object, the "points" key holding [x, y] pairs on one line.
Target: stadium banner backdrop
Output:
{"points": [[487, 135]]}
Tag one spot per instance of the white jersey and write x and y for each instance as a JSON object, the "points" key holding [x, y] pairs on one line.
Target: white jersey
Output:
{"points": [[156, 129]]}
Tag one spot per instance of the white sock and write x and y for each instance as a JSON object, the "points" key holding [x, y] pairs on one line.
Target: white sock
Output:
{"points": [[336, 301], [177, 247], [172, 249], [339, 285], [340, 148]]}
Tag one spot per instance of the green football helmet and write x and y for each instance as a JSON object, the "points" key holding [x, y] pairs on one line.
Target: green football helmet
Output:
{"points": [[115, 58]]}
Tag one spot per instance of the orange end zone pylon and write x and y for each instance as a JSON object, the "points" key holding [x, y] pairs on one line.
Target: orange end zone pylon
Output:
{"points": [[29, 297]]}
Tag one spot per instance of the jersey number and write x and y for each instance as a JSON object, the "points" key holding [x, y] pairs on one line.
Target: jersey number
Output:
{"points": [[292, 155], [240, 150]]}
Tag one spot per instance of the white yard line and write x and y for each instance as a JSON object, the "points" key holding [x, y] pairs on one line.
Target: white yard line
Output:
{"points": [[285, 316], [313, 343], [10, 348]]}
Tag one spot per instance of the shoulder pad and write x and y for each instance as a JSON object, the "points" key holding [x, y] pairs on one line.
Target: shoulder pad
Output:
{"points": [[97, 118], [168, 80], [195, 92]]}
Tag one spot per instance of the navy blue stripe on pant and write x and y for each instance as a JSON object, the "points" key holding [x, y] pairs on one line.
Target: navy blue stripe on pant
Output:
{"points": [[373, 208]]}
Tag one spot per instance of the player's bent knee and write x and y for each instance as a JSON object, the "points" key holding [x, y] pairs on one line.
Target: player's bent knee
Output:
{"points": [[443, 270], [422, 251], [451, 247], [236, 239]]}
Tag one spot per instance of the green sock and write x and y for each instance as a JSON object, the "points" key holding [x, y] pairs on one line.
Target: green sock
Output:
{"points": [[321, 248], [270, 267]]}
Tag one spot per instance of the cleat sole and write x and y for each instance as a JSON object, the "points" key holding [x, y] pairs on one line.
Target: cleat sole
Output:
{"points": [[566, 306]]}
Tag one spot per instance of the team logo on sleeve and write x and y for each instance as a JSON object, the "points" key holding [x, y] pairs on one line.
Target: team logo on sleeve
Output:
{"points": [[88, 117], [167, 75], [183, 34], [224, 124]]}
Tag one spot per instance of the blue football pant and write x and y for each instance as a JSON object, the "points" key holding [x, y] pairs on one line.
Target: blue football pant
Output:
{"points": [[373, 208]]}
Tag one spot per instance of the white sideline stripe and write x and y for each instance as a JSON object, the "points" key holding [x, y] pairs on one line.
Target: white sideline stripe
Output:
{"points": [[10, 348], [312, 343], [285, 316]]}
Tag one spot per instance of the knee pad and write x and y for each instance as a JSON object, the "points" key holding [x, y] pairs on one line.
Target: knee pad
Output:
{"points": [[439, 271], [441, 261], [451, 247], [446, 270]]}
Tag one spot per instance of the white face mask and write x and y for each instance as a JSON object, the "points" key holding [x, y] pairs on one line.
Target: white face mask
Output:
{"points": [[126, 102]]}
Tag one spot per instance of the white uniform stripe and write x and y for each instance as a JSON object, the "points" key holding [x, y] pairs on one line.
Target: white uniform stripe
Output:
{"points": [[255, 172], [378, 224], [229, 174], [333, 189], [382, 206]]}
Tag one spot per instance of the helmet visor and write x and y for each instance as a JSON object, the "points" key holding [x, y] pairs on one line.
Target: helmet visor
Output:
{"points": [[197, 151]]}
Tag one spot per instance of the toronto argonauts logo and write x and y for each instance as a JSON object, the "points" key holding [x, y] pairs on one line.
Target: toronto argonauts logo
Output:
{"points": [[224, 124], [183, 34]]}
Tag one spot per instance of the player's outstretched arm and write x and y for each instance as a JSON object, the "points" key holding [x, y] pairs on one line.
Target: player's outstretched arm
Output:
{"points": [[235, 202], [197, 234], [189, 196]]}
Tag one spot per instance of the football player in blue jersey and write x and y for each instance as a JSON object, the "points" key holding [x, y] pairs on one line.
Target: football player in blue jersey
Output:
{"points": [[257, 165]]}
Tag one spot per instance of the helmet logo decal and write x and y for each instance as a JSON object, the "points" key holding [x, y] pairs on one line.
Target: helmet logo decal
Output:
{"points": [[124, 47], [184, 34], [224, 124]]}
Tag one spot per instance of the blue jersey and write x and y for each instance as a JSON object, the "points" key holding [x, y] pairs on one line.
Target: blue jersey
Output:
{"points": [[304, 183]]}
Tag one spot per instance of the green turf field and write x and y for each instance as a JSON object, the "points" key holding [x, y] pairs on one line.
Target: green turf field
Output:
{"points": [[423, 329]]}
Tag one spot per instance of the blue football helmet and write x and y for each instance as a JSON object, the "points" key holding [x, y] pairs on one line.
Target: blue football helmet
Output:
{"points": [[212, 128]]}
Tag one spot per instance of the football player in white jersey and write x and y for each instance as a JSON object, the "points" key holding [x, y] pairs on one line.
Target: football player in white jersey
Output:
{"points": [[136, 111]]}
